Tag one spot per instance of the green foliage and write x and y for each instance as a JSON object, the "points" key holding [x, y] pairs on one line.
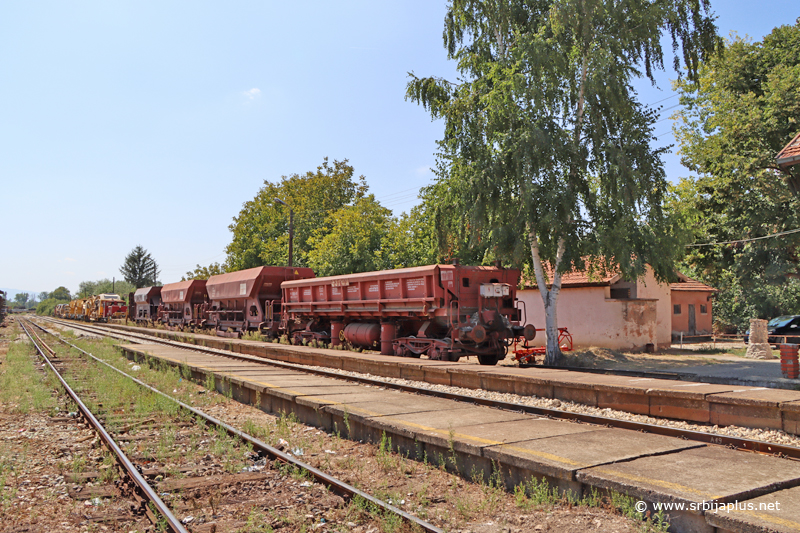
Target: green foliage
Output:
{"points": [[338, 227], [61, 293], [202, 272], [46, 307], [744, 108], [261, 230], [349, 238], [546, 151], [139, 269], [89, 288], [737, 303], [408, 241]]}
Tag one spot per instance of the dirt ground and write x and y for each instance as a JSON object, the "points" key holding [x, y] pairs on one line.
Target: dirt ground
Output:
{"points": [[674, 357], [37, 453]]}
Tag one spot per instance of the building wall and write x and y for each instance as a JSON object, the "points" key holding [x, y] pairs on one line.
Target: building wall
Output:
{"points": [[703, 322], [648, 287], [595, 320]]}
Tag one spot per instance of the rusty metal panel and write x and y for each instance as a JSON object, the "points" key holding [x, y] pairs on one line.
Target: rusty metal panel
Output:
{"points": [[184, 291], [264, 282], [418, 291], [146, 294]]}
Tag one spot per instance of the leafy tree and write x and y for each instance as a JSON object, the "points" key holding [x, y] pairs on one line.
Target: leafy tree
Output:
{"points": [[61, 293], [44, 295], [120, 287], [408, 241], [743, 110], [205, 272], [139, 269], [349, 239], [261, 230], [21, 298], [546, 148]]}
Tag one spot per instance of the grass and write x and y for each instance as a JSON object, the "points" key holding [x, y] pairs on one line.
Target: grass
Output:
{"points": [[538, 494], [22, 386], [534, 494], [119, 395]]}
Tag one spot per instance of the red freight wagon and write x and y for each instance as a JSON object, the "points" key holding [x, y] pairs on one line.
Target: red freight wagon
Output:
{"points": [[182, 303], [249, 299], [443, 311], [147, 300]]}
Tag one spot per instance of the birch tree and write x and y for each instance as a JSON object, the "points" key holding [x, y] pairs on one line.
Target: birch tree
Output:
{"points": [[545, 141]]}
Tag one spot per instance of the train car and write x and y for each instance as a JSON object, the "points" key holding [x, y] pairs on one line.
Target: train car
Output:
{"points": [[59, 310], [2, 306], [146, 301], [249, 300], [105, 306], [183, 304], [443, 311], [80, 308]]}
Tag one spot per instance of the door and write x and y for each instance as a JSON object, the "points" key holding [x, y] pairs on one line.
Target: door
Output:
{"points": [[692, 321]]}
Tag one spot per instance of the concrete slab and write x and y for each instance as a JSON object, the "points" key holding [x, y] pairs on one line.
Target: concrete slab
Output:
{"points": [[472, 439], [333, 390], [454, 418], [750, 407], [777, 511], [791, 417], [562, 456], [388, 403], [697, 475]]}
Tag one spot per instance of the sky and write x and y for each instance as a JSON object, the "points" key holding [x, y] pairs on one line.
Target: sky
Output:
{"points": [[150, 123]]}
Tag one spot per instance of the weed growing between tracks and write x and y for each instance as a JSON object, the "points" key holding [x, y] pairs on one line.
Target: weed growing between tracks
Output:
{"points": [[429, 491], [22, 387]]}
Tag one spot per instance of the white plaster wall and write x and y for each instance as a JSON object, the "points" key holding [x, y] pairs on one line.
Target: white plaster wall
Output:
{"points": [[594, 320], [648, 287]]}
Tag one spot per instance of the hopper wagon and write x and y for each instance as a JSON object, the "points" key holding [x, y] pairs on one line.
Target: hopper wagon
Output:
{"points": [[249, 300], [443, 311], [146, 301], [183, 304]]}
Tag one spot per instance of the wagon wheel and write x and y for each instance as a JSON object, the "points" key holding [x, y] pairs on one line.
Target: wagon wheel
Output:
{"points": [[400, 350], [435, 353], [487, 359]]}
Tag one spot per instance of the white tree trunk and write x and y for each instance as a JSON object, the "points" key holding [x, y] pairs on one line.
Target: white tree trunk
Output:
{"points": [[549, 297]]}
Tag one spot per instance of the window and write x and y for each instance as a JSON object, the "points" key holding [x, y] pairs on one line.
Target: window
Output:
{"points": [[676, 309], [465, 282], [703, 309], [620, 294]]}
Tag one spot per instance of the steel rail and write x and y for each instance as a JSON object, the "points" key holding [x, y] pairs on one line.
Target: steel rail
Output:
{"points": [[123, 460], [340, 486], [742, 444]]}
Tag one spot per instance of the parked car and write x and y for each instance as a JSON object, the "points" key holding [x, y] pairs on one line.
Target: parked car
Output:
{"points": [[788, 325]]}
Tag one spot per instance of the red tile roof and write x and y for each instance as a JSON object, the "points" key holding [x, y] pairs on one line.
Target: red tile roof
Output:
{"points": [[688, 284], [790, 155], [596, 276]]}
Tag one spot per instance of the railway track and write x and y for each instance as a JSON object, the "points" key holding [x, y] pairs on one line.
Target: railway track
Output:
{"points": [[188, 453], [743, 444]]}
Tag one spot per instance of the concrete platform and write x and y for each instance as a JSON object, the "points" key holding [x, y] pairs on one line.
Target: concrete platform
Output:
{"points": [[563, 456], [777, 511], [696, 476], [474, 439], [705, 403]]}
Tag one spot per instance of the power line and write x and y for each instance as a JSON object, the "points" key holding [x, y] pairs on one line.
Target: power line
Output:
{"points": [[788, 232], [663, 99]]}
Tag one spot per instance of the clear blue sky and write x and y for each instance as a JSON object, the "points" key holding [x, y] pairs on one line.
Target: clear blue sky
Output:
{"points": [[125, 123]]}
